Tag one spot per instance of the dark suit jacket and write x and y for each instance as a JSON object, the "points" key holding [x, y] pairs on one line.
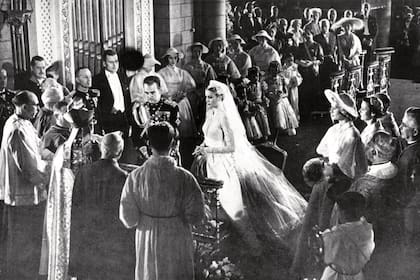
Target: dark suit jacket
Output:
{"points": [[408, 165], [106, 99], [372, 25], [326, 47]]}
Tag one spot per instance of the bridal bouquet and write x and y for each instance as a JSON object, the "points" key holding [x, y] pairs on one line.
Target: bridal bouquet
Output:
{"points": [[223, 269]]}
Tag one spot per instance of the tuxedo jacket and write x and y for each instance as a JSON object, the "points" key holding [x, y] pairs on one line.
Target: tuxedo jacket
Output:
{"points": [[372, 25], [106, 99], [327, 47]]}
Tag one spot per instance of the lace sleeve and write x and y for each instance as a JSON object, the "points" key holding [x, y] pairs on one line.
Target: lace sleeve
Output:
{"points": [[229, 146]]}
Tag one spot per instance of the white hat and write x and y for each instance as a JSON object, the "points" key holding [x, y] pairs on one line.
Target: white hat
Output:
{"points": [[217, 39], [236, 37], [355, 22], [173, 52], [262, 33], [149, 61], [344, 101], [198, 44]]}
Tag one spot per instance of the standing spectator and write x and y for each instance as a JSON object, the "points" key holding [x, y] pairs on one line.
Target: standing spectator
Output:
{"points": [[328, 42], [309, 57], [295, 80], [274, 15], [101, 248], [409, 168], [296, 30], [248, 24], [306, 16], [263, 54], [23, 179], [6, 104], [36, 77], [282, 36], [202, 72], [224, 67], [180, 84], [332, 16], [313, 24], [349, 45], [368, 33], [348, 14], [241, 59], [114, 102], [161, 201], [259, 21], [237, 16]]}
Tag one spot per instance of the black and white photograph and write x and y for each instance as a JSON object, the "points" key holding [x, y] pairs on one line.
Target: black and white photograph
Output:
{"points": [[209, 140]]}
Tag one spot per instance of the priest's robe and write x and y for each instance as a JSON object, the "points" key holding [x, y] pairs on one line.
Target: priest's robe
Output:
{"points": [[162, 201]]}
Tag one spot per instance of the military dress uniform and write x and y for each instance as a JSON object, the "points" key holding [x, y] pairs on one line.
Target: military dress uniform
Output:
{"points": [[152, 113]]}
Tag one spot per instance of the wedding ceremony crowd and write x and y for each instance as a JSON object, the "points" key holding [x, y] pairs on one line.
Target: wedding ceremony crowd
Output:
{"points": [[102, 180]]}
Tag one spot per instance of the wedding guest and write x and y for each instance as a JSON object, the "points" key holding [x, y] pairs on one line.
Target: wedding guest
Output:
{"points": [[348, 14], [241, 59], [306, 16], [259, 21], [296, 30], [295, 80], [388, 120], [369, 31], [45, 117], [162, 201], [349, 45], [221, 63], [371, 110], [332, 16], [263, 54], [36, 77], [313, 24], [342, 144], [274, 15]]}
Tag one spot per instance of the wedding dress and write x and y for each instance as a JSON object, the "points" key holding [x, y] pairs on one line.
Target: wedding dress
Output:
{"points": [[254, 190]]}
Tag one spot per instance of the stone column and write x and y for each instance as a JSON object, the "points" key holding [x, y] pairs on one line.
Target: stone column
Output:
{"points": [[212, 20]]}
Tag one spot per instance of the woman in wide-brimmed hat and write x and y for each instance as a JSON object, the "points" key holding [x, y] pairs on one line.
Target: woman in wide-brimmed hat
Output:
{"points": [[342, 144], [203, 73], [349, 45], [222, 64], [263, 53], [238, 55], [180, 84]]}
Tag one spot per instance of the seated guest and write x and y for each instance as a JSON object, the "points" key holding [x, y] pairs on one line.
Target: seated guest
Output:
{"points": [[241, 59], [36, 77], [313, 24], [409, 168], [370, 112], [45, 117], [162, 201], [23, 181], [388, 120], [349, 245], [342, 144], [221, 63], [262, 54], [58, 133], [101, 248], [6, 105], [378, 179]]}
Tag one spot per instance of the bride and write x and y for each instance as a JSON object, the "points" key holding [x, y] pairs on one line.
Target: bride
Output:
{"points": [[256, 196]]}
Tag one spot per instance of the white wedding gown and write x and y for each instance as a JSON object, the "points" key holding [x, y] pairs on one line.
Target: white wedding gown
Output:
{"points": [[254, 190]]}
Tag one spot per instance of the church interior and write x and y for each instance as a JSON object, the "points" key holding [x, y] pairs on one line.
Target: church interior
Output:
{"points": [[291, 134]]}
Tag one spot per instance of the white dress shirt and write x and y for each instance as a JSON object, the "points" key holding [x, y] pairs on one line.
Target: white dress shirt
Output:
{"points": [[117, 92]]}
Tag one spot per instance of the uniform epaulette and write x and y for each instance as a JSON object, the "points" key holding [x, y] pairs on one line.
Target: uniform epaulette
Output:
{"points": [[170, 103]]}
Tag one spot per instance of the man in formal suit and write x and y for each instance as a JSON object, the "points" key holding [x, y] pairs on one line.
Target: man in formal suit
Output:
{"points": [[114, 101], [368, 33], [328, 42], [35, 79]]}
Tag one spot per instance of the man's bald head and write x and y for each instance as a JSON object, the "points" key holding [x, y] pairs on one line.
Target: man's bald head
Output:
{"points": [[26, 103], [112, 145]]}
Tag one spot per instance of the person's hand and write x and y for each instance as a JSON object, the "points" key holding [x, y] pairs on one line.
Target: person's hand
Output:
{"points": [[200, 151]]}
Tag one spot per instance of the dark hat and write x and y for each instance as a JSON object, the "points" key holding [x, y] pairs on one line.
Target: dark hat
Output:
{"points": [[80, 117], [131, 59]]}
